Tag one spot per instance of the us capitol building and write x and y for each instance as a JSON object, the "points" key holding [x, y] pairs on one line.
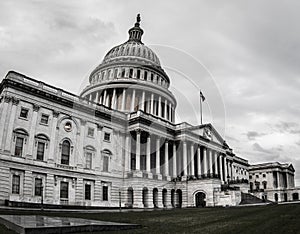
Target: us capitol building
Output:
{"points": [[117, 144]]}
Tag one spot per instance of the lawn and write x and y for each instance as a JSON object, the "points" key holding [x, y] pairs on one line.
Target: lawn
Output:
{"points": [[262, 219]]}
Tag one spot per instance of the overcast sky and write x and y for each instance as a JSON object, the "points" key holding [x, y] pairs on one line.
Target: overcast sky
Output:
{"points": [[243, 55]]}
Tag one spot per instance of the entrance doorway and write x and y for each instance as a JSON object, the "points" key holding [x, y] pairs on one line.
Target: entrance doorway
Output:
{"points": [[200, 199]]}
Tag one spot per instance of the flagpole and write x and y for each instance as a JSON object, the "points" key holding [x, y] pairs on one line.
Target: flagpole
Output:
{"points": [[200, 108]]}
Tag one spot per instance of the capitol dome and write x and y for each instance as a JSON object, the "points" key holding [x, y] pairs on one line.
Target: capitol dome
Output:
{"points": [[132, 50], [130, 78]]}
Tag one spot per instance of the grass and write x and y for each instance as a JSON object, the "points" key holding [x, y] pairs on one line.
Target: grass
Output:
{"points": [[259, 219]]}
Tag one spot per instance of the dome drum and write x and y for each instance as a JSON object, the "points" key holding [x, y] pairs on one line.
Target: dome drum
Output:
{"points": [[130, 78], [133, 98], [123, 72]]}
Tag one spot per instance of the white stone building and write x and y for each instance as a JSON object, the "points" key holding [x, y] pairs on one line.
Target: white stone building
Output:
{"points": [[115, 144], [273, 181]]}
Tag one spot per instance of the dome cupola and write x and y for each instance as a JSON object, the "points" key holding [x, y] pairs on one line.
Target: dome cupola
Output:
{"points": [[130, 78], [135, 33]]}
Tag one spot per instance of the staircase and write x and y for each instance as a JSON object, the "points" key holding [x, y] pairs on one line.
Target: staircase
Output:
{"points": [[248, 198]]}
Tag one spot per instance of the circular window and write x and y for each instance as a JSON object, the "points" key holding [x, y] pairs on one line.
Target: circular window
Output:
{"points": [[68, 127]]}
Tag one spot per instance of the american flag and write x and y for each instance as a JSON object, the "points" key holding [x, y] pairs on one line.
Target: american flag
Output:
{"points": [[202, 96]]}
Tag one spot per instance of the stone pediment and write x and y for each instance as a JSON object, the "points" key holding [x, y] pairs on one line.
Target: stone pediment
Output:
{"points": [[208, 132]]}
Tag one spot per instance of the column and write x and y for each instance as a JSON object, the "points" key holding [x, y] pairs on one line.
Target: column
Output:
{"points": [[199, 173], [138, 150], [205, 172], [225, 169], [166, 158], [216, 163], [148, 110], [159, 106], [278, 180], [221, 167], [170, 113], [174, 160], [210, 162], [113, 104], [143, 101], [10, 127], [33, 124], [127, 152], [79, 160], [166, 107], [97, 96], [229, 170], [123, 100], [132, 101], [53, 143], [148, 154], [3, 118], [192, 160], [151, 104], [100, 99], [184, 158], [157, 164], [104, 97], [99, 140]]}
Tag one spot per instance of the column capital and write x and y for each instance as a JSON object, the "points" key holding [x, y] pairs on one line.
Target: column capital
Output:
{"points": [[138, 131], [7, 99], [99, 127], [35, 107], [15, 101], [55, 113], [83, 122]]}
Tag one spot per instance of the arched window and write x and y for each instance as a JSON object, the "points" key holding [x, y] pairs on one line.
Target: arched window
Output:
{"points": [[264, 184], [130, 73], [145, 75], [89, 154], [41, 143], [106, 154], [138, 74], [123, 73], [20, 138], [65, 152]]}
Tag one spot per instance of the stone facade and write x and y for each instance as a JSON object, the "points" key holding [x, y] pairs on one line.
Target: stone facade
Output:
{"points": [[117, 144], [273, 181]]}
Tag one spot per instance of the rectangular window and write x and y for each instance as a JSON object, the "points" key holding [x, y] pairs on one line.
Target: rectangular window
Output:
{"points": [[19, 146], [40, 151], [16, 184], [105, 163], [90, 132], [107, 136], [88, 160], [24, 113], [87, 192], [105, 193], [44, 119], [64, 190], [38, 187]]}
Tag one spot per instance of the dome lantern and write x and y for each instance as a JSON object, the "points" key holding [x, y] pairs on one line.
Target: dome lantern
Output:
{"points": [[135, 33]]}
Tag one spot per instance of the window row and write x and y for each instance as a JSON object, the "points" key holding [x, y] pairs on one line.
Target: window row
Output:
{"points": [[129, 73], [64, 188], [66, 149], [44, 118]]}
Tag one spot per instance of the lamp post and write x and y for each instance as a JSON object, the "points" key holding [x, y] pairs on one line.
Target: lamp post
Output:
{"points": [[120, 205], [42, 197]]}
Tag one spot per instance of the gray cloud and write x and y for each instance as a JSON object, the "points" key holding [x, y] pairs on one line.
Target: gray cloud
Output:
{"points": [[288, 127], [260, 149], [252, 135], [251, 48]]}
